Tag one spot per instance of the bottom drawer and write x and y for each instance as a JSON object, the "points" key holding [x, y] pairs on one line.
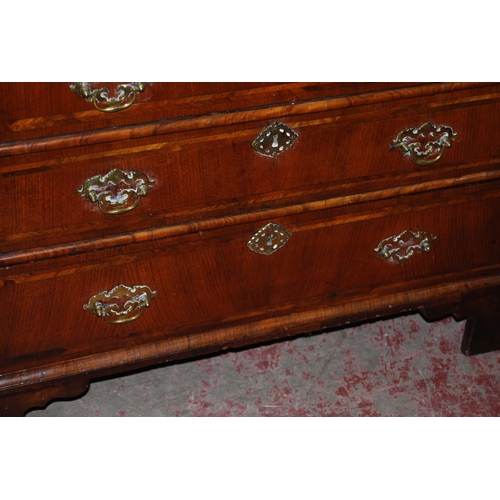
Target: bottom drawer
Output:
{"points": [[195, 282]]}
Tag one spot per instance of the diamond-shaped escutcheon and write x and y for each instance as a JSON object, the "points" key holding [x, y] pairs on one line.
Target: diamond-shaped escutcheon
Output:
{"points": [[274, 139], [269, 239]]}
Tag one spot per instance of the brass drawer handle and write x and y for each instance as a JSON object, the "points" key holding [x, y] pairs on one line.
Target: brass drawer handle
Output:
{"points": [[122, 304], [402, 247], [117, 191], [425, 144], [125, 95]]}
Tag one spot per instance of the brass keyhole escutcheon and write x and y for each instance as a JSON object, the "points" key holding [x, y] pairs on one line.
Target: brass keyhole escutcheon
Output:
{"points": [[269, 239]]}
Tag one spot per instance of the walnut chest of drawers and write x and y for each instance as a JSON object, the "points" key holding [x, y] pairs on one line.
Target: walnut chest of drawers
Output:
{"points": [[147, 222]]}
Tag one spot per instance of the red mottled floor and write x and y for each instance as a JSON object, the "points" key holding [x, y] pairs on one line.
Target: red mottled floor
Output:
{"points": [[398, 367]]}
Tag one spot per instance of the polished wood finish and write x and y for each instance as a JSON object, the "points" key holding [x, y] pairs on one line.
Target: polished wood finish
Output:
{"points": [[33, 110], [339, 190]]}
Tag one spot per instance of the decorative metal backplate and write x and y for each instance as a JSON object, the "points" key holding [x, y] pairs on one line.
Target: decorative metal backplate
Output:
{"points": [[425, 144], [402, 247], [117, 191], [125, 95], [269, 239], [122, 304], [274, 139]]}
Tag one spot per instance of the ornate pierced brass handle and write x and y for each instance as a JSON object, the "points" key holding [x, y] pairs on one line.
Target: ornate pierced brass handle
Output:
{"points": [[122, 304], [125, 95], [117, 191], [425, 144], [402, 247]]}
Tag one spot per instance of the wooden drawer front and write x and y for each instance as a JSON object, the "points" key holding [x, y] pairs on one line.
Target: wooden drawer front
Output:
{"points": [[214, 278], [39, 109], [216, 175]]}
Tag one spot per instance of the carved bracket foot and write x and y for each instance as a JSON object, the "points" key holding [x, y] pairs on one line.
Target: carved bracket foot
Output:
{"points": [[15, 403], [481, 308]]}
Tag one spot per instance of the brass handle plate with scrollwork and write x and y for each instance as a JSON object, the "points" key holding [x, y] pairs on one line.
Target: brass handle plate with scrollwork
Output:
{"points": [[125, 95], [117, 191], [426, 144], [402, 247], [122, 304]]}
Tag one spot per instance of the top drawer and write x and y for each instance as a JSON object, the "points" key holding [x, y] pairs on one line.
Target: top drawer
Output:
{"points": [[29, 110]]}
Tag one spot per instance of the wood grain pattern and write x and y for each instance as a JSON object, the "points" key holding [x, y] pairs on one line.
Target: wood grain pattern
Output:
{"points": [[163, 349], [28, 111], [158, 233], [339, 191], [218, 174], [39, 394], [216, 277], [218, 120]]}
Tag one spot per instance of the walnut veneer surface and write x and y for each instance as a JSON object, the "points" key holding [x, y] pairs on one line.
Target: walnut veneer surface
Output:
{"points": [[131, 238]]}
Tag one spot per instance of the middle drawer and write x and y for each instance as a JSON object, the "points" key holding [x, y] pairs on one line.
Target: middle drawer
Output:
{"points": [[163, 183]]}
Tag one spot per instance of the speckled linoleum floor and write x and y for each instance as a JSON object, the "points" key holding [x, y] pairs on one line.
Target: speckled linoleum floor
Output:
{"points": [[396, 367]]}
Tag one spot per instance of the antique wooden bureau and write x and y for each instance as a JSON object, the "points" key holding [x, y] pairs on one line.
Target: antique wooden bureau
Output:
{"points": [[147, 222]]}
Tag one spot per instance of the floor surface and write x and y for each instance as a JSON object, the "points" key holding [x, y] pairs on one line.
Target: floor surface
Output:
{"points": [[397, 367]]}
